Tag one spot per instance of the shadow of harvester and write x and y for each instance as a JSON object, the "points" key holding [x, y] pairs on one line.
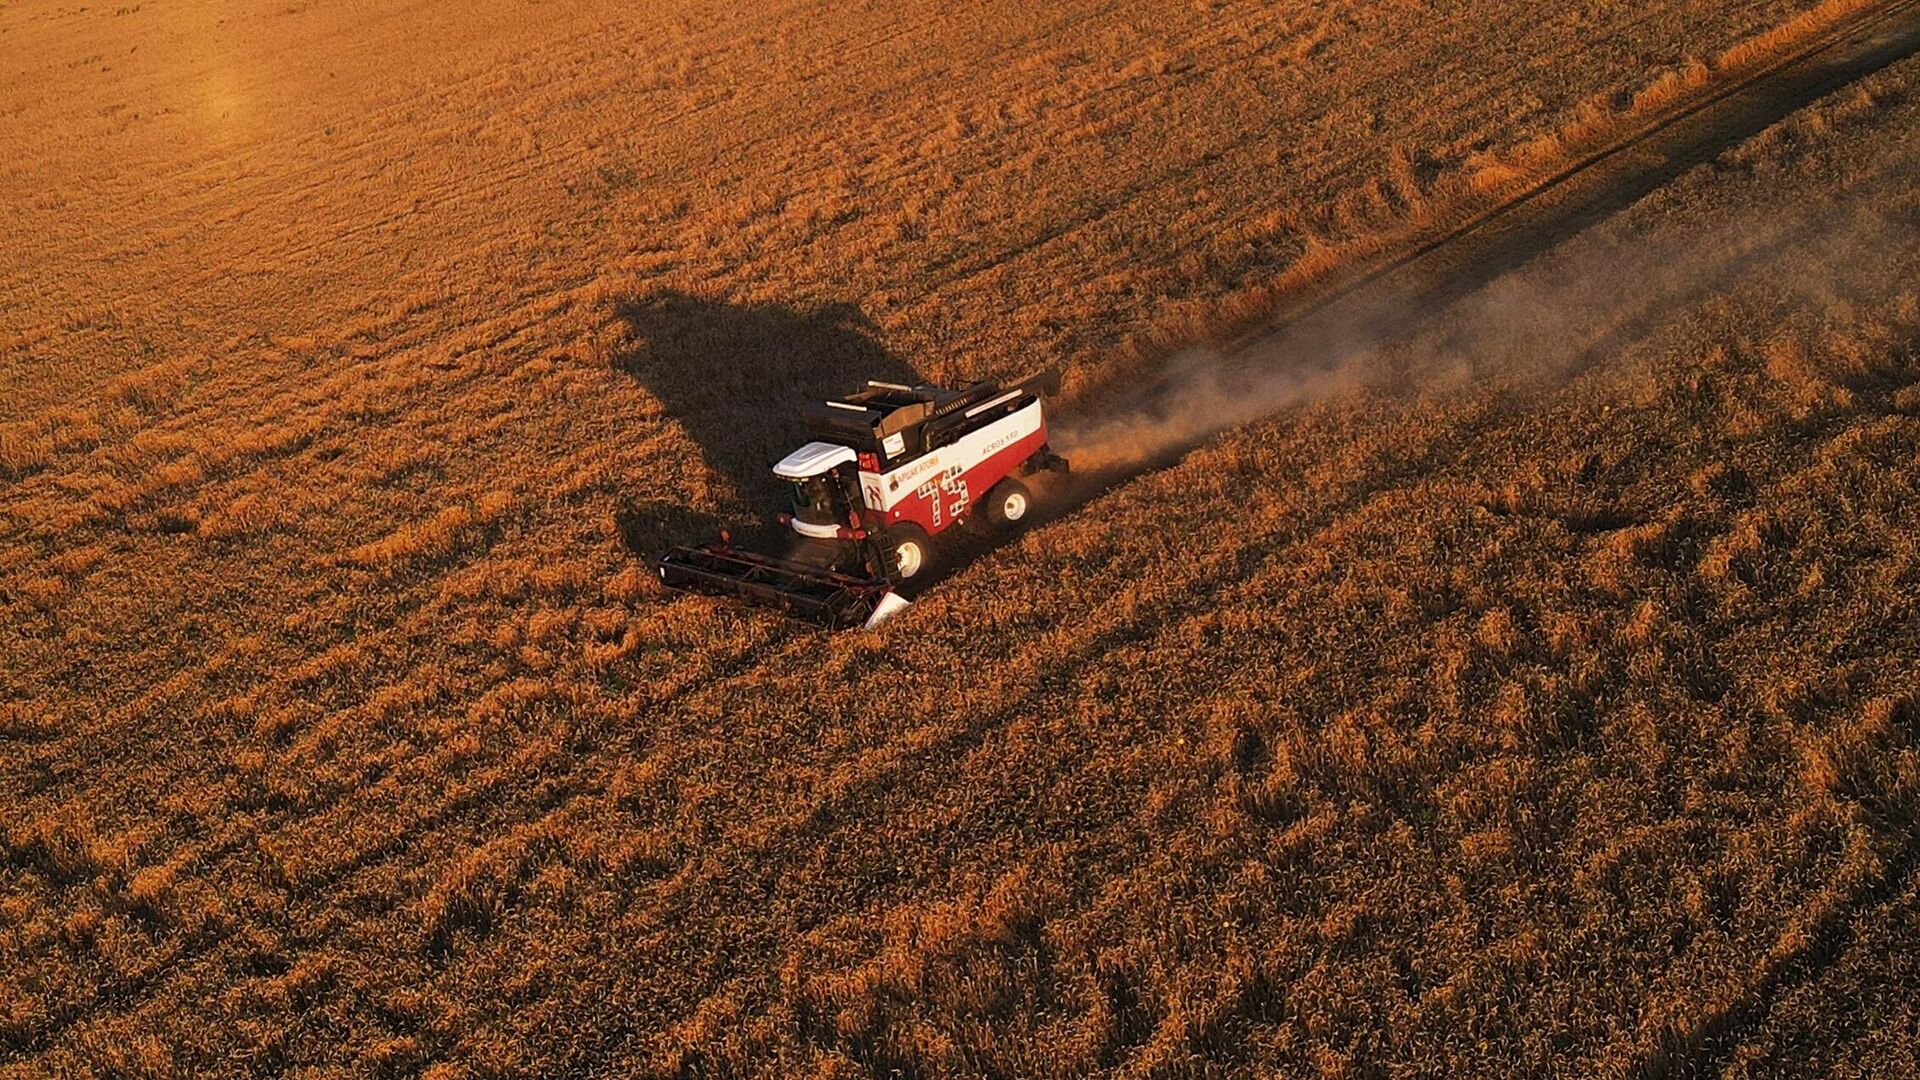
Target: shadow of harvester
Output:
{"points": [[735, 376]]}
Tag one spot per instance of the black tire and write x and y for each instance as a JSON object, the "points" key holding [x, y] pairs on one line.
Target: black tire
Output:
{"points": [[1009, 503], [909, 553]]}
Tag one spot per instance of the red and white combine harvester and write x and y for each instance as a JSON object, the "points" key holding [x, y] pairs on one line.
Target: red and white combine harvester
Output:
{"points": [[890, 467]]}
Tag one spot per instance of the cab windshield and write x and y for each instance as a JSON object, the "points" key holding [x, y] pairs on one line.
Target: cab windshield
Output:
{"points": [[813, 501]]}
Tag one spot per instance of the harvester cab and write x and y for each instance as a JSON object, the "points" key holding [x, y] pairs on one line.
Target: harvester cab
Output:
{"points": [[889, 467]]}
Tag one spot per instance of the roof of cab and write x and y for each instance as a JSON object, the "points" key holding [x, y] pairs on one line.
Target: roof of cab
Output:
{"points": [[812, 460]]}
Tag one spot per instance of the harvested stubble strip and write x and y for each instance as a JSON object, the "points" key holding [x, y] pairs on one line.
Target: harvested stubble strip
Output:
{"points": [[1492, 180]]}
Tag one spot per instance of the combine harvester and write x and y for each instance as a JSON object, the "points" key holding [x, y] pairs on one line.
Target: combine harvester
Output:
{"points": [[890, 467]]}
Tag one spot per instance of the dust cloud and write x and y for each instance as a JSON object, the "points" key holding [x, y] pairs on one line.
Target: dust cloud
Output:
{"points": [[1553, 318]]}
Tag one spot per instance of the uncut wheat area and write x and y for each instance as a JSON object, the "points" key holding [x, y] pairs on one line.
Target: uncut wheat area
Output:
{"points": [[1537, 699]]}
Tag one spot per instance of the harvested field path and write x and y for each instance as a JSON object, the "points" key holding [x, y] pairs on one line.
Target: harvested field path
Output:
{"points": [[1602, 183], [1310, 344], [1370, 304]]}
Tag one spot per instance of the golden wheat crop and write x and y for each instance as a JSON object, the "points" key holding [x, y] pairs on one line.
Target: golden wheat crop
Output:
{"points": [[1538, 698]]}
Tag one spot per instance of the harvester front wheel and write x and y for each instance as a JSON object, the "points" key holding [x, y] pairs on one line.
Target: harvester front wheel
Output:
{"points": [[908, 554], [1008, 503]]}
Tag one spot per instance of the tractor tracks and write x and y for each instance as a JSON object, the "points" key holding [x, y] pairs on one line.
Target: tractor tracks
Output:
{"points": [[1376, 303], [1383, 300], [1609, 179]]}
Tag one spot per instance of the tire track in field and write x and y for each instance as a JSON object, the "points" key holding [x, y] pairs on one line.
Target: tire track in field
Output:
{"points": [[1609, 180], [1392, 299]]}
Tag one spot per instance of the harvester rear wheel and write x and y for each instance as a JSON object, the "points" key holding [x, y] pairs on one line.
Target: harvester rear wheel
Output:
{"points": [[1008, 503]]}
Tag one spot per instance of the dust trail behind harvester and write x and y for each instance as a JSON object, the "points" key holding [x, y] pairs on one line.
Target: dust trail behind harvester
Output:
{"points": [[1529, 291], [1536, 326], [1202, 391]]}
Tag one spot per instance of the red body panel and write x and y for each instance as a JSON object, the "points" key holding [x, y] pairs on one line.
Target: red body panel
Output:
{"points": [[946, 497]]}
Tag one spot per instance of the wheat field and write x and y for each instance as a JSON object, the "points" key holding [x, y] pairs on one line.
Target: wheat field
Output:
{"points": [[1535, 696]]}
